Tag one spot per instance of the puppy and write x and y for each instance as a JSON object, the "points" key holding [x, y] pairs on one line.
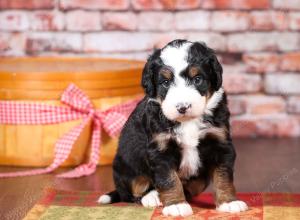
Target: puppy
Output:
{"points": [[177, 139]]}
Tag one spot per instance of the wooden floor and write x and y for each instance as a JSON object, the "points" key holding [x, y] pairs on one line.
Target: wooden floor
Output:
{"points": [[271, 165]]}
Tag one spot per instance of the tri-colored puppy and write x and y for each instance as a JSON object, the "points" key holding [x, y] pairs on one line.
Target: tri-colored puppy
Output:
{"points": [[177, 139]]}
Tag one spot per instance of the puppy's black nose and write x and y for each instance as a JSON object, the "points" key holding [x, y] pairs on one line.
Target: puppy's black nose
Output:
{"points": [[182, 107], [182, 110]]}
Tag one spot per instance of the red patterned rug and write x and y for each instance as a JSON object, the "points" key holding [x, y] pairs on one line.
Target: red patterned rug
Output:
{"points": [[71, 205]]}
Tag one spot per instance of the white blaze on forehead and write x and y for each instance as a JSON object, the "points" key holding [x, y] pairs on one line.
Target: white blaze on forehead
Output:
{"points": [[176, 57], [180, 91]]}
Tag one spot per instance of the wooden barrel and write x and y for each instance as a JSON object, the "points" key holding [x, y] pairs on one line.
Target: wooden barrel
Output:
{"points": [[107, 82]]}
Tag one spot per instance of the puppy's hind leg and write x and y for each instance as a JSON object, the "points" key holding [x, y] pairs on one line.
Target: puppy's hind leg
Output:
{"points": [[122, 193], [140, 190], [108, 198], [194, 187]]}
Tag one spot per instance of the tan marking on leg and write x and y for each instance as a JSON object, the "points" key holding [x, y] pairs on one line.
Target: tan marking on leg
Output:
{"points": [[195, 186], [174, 194], [140, 185], [223, 186]]}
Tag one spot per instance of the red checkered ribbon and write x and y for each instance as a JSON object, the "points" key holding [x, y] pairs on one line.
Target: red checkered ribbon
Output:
{"points": [[77, 106]]}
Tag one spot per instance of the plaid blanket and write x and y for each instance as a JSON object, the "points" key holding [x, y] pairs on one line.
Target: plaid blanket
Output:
{"points": [[70, 205]]}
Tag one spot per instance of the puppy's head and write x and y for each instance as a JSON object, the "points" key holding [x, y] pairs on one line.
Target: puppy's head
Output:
{"points": [[182, 76]]}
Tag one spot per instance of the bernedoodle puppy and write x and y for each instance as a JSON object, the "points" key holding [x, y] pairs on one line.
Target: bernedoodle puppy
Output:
{"points": [[177, 140]]}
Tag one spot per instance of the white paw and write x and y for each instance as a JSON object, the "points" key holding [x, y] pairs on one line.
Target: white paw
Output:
{"points": [[151, 199], [180, 209], [104, 199], [234, 206]]}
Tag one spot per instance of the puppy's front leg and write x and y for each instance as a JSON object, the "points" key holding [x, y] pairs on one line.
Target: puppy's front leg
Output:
{"points": [[172, 196], [225, 196], [166, 181]]}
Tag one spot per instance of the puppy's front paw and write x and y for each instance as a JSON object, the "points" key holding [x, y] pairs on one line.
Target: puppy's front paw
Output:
{"points": [[180, 209], [234, 206], [151, 199]]}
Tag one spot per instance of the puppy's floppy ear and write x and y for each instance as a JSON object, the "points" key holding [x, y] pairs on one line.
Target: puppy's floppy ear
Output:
{"points": [[200, 53], [148, 78], [217, 72]]}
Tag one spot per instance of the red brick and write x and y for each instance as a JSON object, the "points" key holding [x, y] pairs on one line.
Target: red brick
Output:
{"points": [[236, 83], [214, 40], [46, 20], [293, 105], [12, 44], [192, 20], [261, 104], [236, 105], [288, 41], [114, 42], [283, 84], [234, 68], [142, 56], [153, 4], [268, 20], [14, 21], [295, 21], [59, 42], [286, 4], [187, 4], [28, 4], [119, 21], [261, 62], [290, 62], [160, 40], [252, 42], [161, 21], [285, 41], [95, 4], [83, 21], [165, 4], [280, 125], [236, 4], [242, 127], [227, 21]]}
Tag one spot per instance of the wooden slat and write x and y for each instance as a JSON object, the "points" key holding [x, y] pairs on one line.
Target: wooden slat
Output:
{"points": [[46, 65], [21, 94], [61, 85], [45, 78]]}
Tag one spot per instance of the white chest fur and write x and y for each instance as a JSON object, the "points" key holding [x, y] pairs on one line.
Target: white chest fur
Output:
{"points": [[187, 135]]}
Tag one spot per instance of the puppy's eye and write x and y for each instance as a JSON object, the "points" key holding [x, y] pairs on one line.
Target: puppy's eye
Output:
{"points": [[166, 83], [197, 80]]}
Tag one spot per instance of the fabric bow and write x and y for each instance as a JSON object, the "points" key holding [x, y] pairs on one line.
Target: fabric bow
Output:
{"points": [[77, 105]]}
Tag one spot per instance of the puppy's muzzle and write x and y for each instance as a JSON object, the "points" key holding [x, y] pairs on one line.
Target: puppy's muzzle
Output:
{"points": [[183, 107]]}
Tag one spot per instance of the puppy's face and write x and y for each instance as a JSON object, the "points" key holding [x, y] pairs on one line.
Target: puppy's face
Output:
{"points": [[182, 76]]}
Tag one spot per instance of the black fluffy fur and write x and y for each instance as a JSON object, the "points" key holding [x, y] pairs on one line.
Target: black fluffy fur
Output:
{"points": [[138, 155]]}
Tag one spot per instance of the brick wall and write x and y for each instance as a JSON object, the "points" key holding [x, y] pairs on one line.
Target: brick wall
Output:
{"points": [[258, 42]]}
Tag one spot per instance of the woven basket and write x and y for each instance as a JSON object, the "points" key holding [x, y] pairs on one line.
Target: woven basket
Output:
{"points": [[107, 82]]}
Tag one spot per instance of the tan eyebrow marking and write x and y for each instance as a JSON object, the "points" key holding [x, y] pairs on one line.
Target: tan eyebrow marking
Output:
{"points": [[166, 73], [193, 71]]}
